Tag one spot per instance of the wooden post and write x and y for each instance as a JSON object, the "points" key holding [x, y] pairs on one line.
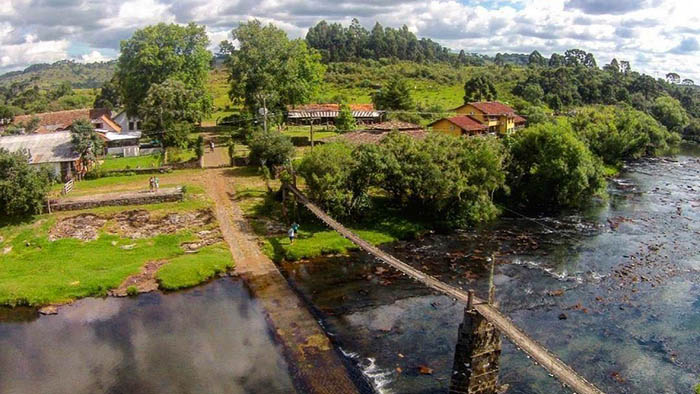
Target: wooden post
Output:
{"points": [[284, 203], [492, 290], [470, 300]]}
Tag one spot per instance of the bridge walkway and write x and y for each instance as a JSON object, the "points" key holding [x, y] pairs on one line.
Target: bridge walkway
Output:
{"points": [[519, 338]]}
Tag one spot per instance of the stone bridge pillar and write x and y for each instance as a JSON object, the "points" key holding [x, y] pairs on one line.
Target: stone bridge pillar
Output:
{"points": [[476, 361]]}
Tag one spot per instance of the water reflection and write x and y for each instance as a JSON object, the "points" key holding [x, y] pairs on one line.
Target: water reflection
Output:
{"points": [[213, 339]]}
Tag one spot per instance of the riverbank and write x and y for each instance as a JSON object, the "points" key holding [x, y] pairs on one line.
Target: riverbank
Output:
{"points": [[58, 258]]}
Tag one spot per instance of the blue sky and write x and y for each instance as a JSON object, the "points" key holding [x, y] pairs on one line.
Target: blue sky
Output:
{"points": [[656, 36]]}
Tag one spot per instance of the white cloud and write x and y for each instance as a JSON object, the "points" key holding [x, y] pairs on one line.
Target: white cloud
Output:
{"points": [[94, 56], [655, 35]]}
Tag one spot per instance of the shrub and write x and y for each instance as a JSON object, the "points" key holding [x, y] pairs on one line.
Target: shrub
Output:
{"points": [[550, 168], [619, 133], [270, 148], [23, 188], [339, 177], [451, 180], [132, 291]]}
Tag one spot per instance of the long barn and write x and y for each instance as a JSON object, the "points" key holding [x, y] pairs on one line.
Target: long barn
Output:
{"points": [[325, 114]]}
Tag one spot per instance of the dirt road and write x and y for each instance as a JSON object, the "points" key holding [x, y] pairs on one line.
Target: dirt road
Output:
{"points": [[316, 366]]}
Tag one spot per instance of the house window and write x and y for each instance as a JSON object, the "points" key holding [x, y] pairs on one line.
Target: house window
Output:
{"points": [[131, 126], [98, 125], [138, 125]]}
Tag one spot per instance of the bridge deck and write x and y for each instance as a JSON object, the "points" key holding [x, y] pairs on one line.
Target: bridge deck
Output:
{"points": [[539, 353]]}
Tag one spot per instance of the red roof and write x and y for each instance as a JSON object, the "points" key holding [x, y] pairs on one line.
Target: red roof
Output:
{"points": [[61, 120], [330, 107], [519, 119], [492, 107], [467, 123], [375, 136], [394, 125]]}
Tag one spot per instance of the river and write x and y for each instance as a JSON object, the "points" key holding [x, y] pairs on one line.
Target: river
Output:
{"points": [[614, 291], [212, 339]]}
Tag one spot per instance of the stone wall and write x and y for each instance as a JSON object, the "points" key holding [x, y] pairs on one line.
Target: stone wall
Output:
{"points": [[477, 354], [141, 199]]}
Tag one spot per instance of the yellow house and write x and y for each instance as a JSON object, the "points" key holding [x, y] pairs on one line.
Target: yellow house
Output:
{"points": [[459, 125], [497, 117]]}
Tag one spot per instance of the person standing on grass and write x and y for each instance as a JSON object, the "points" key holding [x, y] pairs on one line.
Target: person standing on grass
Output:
{"points": [[211, 145], [157, 183], [291, 234], [295, 227], [151, 184]]}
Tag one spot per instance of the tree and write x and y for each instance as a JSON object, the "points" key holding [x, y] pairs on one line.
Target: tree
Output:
{"points": [[613, 67], [669, 112], [85, 141], [533, 93], [688, 82], [327, 171], [270, 71], [199, 147], [63, 89], [226, 49], [550, 168], [161, 52], [270, 148], [450, 180], [556, 60], [620, 133], [345, 120], [23, 188], [673, 78], [479, 88], [109, 95], [169, 110], [394, 95], [625, 67], [536, 60]]}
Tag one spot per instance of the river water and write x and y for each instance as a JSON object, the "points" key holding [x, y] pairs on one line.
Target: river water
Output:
{"points": [[615, 292], [212, 339]]}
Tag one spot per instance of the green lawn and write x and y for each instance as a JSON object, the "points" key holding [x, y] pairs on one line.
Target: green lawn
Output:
{"points": [[125, 163], [192, 269], [315, 240], [303, 131], [36, 271]]}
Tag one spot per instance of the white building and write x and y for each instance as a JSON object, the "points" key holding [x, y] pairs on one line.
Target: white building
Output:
{"points": [[54, 150], [128, 123]]}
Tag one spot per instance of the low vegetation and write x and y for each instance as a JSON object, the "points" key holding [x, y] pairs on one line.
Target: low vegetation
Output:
{"points": [[42, 265], [188, 270], [23, 188]]}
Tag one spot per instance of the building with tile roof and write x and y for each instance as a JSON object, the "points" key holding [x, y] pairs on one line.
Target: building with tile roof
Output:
{"points": [[496, 116], [50, 122], [459, 125], [375, 133], [327, 113], [54, 150]]}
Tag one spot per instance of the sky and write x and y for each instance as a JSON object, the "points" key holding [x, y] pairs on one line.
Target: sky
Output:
{"points": [[655, 36]]}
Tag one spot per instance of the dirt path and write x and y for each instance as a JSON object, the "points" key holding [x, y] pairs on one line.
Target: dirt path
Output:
{"points": [[216, 158], [316, 366]]}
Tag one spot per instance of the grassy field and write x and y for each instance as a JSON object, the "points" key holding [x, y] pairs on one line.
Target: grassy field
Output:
{"points": [[39, 271], [125, 163], [192, 269], [130, 183], [314, 239]]}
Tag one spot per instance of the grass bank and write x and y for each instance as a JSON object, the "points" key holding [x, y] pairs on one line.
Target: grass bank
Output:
{"points": [[127, 163], [265, 216], [35, 270]]}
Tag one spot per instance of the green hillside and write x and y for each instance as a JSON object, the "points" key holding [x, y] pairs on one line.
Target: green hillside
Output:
{"points": [[45, 76]]}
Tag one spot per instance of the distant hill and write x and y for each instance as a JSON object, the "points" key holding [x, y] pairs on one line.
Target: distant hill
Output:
{"points": [[80, 75]]}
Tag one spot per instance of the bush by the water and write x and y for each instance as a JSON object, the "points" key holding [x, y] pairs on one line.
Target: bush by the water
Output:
{"points": [[23, 188], [550, 168], [339, 176], [619, 133], [450, 180]]}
